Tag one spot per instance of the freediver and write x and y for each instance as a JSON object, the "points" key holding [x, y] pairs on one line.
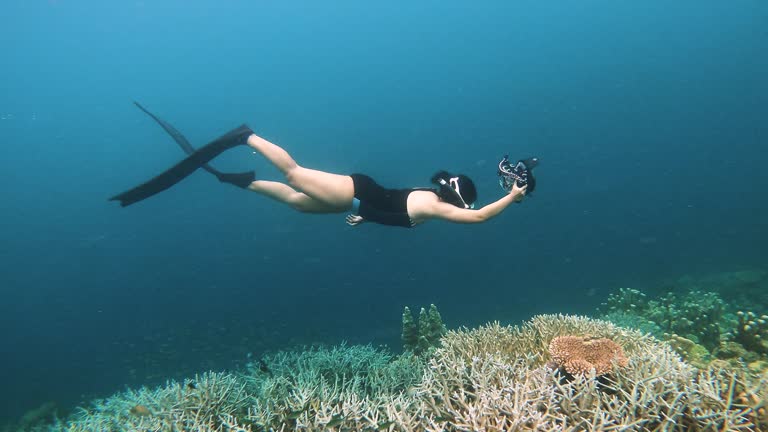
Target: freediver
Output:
{"points": [[312, 191]]}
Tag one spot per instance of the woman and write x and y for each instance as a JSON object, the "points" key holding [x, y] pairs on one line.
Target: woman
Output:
{"points": [[313, 191]]}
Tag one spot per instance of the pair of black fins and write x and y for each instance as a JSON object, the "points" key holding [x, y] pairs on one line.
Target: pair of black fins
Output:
{"points": [[195, 159]]}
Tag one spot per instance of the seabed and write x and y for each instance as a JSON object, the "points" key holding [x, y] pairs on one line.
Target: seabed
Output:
{"points": [[690, 358]]}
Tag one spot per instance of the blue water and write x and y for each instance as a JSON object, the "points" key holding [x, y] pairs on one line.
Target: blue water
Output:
{"points": [[649, 119]]}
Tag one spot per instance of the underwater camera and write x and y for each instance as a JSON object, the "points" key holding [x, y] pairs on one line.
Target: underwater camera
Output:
{"points": [[520, 172]]}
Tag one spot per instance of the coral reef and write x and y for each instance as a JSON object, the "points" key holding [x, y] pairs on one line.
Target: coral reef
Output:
{"points": [[494, 378], [751, 332], [637, 322], [627, 300], [425, 336], [726, 279], [209, 402], [700, 325], [35, 419], [410, 333], [743, 289], [358, 387], [693, 353], [489, 378], [746, 342], [695, 315]]}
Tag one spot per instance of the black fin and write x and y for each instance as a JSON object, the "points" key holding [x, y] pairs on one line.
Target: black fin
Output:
{"points": [[185, 167], [241, 180], [180, 139], [232, 178]]}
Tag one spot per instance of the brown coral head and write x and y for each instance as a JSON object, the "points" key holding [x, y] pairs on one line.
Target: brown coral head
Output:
{"points": [[578, 355], [140, 411]]}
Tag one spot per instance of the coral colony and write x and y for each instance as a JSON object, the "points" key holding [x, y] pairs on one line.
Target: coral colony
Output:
{"points": [[689, 359]]}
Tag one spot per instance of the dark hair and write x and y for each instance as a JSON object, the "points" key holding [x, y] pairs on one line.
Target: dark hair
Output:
{"points": [[468, 191]]}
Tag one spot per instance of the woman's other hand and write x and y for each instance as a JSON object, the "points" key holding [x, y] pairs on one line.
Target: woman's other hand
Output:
{"points": [[353, 220]]}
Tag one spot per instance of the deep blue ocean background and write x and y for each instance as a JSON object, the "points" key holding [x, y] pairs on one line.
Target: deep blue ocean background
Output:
{"points": [[650, 119]]}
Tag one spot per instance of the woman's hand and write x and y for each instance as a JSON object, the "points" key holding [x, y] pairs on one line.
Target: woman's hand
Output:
{"points": [[353, 220], [518, 192]]}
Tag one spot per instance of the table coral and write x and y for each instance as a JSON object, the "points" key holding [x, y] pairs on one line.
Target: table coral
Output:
{"points": [[578, 355]]}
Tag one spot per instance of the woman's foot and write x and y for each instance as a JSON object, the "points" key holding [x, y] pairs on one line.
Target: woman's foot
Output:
{"points": [[253, 141], [241, 180], [241, 134]]}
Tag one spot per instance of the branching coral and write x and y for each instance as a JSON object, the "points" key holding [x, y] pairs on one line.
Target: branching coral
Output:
{"points": [[494, 378], [325, 388], [626, 300], [420, 338], [491, 378], [637, 322], [752, 332], [695, 315], [410, 333], [204, 403], [702, 310], [629, 308]]}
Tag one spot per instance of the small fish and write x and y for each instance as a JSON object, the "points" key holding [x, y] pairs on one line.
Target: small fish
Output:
{"points": [[293, 415], [335, 420], [385, 425], [263, 367], [191, 385]]}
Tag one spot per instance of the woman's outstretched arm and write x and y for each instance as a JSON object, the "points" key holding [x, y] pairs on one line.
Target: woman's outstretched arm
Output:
{"points": [[449, 212]]}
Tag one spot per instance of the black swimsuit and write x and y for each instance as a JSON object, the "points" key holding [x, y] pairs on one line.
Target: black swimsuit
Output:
{"points": [[381, 205]]}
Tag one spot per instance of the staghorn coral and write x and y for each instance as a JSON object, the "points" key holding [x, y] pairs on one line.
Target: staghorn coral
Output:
{"points": [[495, 378], [578, 355], [211, 402], [410, 333], [491, 378], [637, 322], [351, 387], [695, 315], [421, 338]]}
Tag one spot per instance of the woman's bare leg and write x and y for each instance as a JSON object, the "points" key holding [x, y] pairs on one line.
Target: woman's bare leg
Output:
{"points": [[287, 195], [335, 191]]}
